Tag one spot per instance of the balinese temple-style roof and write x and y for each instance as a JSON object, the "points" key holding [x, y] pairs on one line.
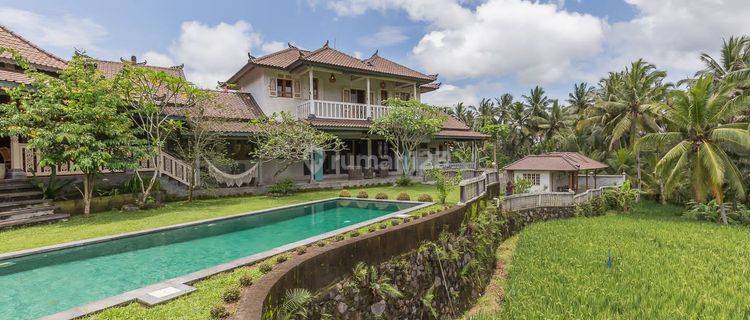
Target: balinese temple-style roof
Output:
{"points": [[39, 58], [293, 57], [111, 68], [556, 161], [230, 111]]}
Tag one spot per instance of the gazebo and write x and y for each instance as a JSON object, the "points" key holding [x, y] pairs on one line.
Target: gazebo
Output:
{"points": [[555, 171]]}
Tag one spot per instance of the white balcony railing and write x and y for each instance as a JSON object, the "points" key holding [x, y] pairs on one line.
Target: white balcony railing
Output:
{"points": [[340, 110]]}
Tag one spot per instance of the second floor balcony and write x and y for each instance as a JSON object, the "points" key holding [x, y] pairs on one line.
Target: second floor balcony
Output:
{"points": [[339, 110]]}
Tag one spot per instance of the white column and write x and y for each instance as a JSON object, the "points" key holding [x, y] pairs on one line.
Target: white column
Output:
{"points": [[369, 108], [312, 96], [369, 146], [415, 92], [16, 159]]}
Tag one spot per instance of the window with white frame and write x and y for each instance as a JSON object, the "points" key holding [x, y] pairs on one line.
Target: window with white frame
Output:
{"points": [[535, 178], [284, 88]]}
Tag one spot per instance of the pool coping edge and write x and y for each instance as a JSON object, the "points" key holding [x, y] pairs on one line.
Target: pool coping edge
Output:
{"points": [[184, 282]]}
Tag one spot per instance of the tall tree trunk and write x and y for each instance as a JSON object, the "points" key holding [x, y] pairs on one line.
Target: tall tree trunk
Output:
{"points": [[638, 169], [88, 186], [720, 201], [662, 195]]}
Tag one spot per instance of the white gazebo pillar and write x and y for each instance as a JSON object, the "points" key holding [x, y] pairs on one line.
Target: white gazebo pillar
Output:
{"points": [[312, 94], [367, 98], [415, 91], [16, 159]]}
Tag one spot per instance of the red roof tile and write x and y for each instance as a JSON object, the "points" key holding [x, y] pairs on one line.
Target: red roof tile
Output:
{"points": [[556, 161], [227, 105], [232, 127], [32, 53], [111, 68], [291, 57], [14, 76]]}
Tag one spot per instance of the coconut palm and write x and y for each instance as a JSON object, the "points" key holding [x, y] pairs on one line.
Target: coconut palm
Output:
{"points": [[504, 104], [486, 113], [554, 121], [582, 98], [621, 161], [537, 101], [735, 56], [463, 113], [626, 107], [700, 142]]}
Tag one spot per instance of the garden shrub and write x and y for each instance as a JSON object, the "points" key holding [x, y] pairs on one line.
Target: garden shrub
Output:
{"points": [[265, 267], [371, 229], [321, 243], [403, 181], [345, 193], [521, 186], [444, 182], [301, 250], [395, 222], [231, 295], [219, 311], [403, 196], [424, 198], [282, 188], [354, 234], [383, 225], [246, 280], [381, 196], [340, 237], [363, 195], [711, 211], [624, 197], [282, 258]]}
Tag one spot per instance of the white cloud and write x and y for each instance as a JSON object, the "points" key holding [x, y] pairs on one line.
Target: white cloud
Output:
{"points": [[358, 54], [154, 58], [273, 46], [535, 42], [64, 32], [212, 53], [386, 36], [673, 33], [448, 94]]}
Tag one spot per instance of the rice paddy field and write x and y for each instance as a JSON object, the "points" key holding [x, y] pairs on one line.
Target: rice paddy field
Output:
{"points": [[649, 264]]}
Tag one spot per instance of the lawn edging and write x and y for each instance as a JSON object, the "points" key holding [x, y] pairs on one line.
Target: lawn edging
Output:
{"points": [[319, 268]]}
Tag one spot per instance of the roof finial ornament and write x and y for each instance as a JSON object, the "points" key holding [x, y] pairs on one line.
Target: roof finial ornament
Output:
{"points": [[250, 56], [290, 45], [376, 53], [180, 67], [325, 45]]}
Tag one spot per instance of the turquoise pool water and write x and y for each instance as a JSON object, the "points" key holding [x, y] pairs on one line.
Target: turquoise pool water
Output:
{"points": [[46, 283]]}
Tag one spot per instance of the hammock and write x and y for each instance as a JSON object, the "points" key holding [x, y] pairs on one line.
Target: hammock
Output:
{"points": [[232, 180]]}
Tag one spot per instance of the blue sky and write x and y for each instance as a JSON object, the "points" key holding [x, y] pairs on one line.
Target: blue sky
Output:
{"points": [[480, 48]]}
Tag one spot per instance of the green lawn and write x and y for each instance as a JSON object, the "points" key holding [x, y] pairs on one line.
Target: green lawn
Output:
{"points": [[115, 222], [664, 267]]}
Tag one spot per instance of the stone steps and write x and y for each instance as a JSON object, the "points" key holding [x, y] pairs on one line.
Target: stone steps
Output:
{"points": [[21, 203]]}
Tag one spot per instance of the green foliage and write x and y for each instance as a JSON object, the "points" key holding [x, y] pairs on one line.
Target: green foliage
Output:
{"points": [[283, 138], [219, 311], [403, 181], [54, 187], [363, 195], [403, 196], [231, 295], [711, 211], [345, 193], [407, 124], [74, 118], [644, 246], [265, 267], [282, 258], [284, 187], [444, 182], [381, 196], [246, 280], [622, 197], [294, 306], [521, 186], [424, 198]]}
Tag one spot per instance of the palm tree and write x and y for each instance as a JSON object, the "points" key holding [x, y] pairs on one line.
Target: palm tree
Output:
{"points": [[537, 101], [581, 99], [700, 142], [504, 103], [621, 161], [554, 121], [486, 113], [626, 107], [462, 113], [735, 56]]}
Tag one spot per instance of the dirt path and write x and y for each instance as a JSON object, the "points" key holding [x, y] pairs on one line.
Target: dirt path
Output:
{"points": [[488, 306]]}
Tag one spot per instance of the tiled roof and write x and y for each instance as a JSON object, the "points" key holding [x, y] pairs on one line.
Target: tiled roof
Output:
{"points": [[111, 68], [227, 106], [14, 76], [465, 134], [33, 54], [291, 57], [429, 87], [556, 161], [232, 126]]}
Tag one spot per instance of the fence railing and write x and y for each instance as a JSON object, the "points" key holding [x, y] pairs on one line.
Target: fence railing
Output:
{"points": [[550, 199], [169, 165], [475, 183]]}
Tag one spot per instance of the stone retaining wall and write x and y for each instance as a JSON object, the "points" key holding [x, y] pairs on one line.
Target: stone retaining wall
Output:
{"points": [[321, 268]]}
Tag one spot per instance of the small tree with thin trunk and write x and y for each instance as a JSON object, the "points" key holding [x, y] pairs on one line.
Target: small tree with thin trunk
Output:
{"points": [[283, 138], [407, 124], [199, 139], [150, 94], [75, 118]]}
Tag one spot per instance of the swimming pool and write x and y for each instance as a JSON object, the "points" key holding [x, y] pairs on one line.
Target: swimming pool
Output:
{"points": [[46, 283]]}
